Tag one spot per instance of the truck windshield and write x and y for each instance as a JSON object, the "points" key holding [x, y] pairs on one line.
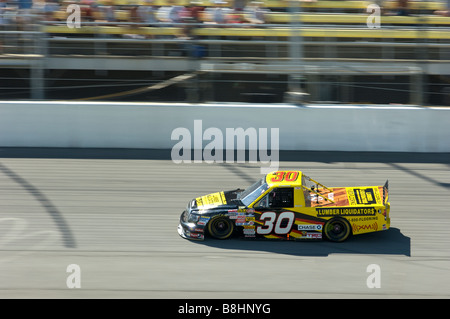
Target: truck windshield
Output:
{"points": [[252, 192]]}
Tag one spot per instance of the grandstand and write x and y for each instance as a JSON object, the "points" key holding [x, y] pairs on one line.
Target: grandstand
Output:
{"points": [[228, 51]]}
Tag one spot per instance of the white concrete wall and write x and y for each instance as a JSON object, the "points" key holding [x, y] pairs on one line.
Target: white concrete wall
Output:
{"points": [[140, 125]]}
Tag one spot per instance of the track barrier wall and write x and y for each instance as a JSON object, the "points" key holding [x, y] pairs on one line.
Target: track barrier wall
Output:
{"points": [[364, 128]]}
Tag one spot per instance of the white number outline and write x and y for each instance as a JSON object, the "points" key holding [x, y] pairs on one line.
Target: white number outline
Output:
{"points": [[272, 222], [269, 218]]}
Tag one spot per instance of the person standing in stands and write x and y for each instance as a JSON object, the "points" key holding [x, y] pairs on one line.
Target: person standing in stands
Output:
{"points": [[174, 13], [402, 8], [108, 9], [24, 14], [4, 22], [49, 9], [446, 12], [147, 13], [218, 13], [254, 13], [169, 14]]}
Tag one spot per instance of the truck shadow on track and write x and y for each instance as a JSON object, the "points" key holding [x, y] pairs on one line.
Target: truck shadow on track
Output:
{"points": [[389, 242]]}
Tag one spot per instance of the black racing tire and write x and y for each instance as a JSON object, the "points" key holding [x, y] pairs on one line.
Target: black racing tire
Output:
{"points": [[220, 227], [337, 229]]}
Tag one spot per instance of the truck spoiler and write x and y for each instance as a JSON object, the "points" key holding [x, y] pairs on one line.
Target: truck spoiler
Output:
{"points": [[386, 192]]}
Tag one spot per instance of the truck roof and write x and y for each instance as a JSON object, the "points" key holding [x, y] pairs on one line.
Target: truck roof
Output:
{"points": [[284, 178]]}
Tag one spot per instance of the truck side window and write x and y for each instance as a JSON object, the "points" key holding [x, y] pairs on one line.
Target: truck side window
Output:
{"points": [[307, 196], [281, 197]]}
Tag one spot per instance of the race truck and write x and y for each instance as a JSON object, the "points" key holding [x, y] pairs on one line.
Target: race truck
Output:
{"points": [[288, 205]]}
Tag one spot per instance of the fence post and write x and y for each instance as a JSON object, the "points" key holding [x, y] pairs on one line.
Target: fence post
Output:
{"points": [[416, 86], [37, 77]]}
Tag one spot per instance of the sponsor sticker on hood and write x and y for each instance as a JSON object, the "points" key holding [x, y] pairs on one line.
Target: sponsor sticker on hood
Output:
{"points": [[211, 200]]}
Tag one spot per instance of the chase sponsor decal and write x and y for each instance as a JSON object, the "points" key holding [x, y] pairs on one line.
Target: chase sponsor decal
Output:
{"points": [[309, 227], [353, 211]]}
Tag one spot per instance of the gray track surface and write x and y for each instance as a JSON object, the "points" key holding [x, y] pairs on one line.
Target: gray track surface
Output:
{"points": [[117, 220]]}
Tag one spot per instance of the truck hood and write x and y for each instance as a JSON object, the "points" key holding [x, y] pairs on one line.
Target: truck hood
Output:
{"points": [[219, 200]]}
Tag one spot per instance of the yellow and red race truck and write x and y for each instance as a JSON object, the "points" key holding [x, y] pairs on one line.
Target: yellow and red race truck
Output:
{"points": [[288, 205]]}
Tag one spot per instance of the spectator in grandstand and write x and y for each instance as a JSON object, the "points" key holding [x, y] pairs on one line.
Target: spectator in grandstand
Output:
{"points": [[24, 16], [133, 15], [5, 18], [254, 13], [218, 13], [87, 10], [235, 18], [49, 8], [379, 3], [147, 13], [3, 21], [107, 10], [239, 5], [134, 21], [446, 12], [3, 7], [170, 13], [192, 13], [188, 46], [402, 7], [25, 4], [162, 14], [174, 13]]}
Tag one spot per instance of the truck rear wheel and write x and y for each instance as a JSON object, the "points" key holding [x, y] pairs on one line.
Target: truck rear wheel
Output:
{"points": [[337, 230]]}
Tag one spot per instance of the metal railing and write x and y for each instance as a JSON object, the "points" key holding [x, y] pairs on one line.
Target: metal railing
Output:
{"points": [[226, 46], [326, 50]]}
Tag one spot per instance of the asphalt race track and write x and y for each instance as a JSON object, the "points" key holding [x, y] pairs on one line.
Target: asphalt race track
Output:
{"points": [[115, 214]]}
